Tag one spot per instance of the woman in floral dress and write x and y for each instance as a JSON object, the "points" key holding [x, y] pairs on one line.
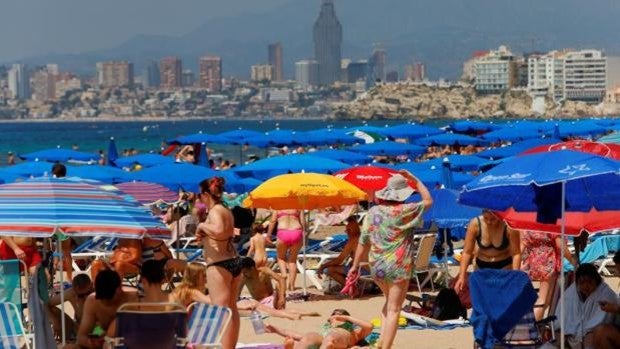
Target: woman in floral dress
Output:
{"points": [[387, 234], [541, 260]]}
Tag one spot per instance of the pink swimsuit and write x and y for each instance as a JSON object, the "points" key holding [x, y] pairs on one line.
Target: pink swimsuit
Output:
{"points": [[289, 237]]}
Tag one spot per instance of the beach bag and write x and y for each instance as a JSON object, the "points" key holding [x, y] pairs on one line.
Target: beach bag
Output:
{"points": [[448, 306], [464, 295]]}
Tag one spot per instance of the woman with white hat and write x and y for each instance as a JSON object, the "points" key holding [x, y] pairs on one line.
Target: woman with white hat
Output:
{"points": [[387, 234]]}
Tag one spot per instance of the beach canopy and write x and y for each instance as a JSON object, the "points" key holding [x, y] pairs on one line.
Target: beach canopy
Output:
{"points": [[533, 183], [592, 221], [276, 138], [446, 212], [304, 191], [450, 139], [613, 137], [60, 155], [387, 148], [29, 169], [198, 138], [112, 153], [459, 163], [516, 148], [42, 207], [585, 128], [348, 157], [596, 148], [105, 174], [368, 178], [147, 193], [472, 126], [183, 176], [238, 136], [267, 168], [511, 134], [327, 136], [144, 160]]}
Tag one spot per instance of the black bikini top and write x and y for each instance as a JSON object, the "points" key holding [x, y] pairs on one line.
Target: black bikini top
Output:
{"points": [[505, 241]]}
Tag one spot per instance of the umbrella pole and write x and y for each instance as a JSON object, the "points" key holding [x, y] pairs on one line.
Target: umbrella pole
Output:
{"points": [[178, 242], [307, 216], [562, 238], [445, 256], [62, 289]]}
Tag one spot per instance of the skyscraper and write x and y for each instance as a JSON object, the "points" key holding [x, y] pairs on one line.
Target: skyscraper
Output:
{"points": [[170, 72], [150, 74], [44, 84], [377, 64], [306, 73], [19, 81], [275, 59], [327, 42], [210, 73], [115, 73]]}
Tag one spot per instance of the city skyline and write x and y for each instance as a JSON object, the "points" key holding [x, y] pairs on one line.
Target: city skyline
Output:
{"points": [[439, 33]]}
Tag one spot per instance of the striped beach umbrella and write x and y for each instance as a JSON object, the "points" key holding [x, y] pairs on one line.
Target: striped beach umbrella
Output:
{"points": [[42, 207], [147, 193]]}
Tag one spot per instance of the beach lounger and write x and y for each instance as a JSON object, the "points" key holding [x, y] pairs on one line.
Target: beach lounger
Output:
{"points": [[321, 251], [422, 260], [97, 247], [207, 324], [150, 326], [11, 288], [12, 334]]}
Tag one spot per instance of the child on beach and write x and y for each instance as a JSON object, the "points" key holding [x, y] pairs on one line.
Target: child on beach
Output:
{"points": [[257, 246]]}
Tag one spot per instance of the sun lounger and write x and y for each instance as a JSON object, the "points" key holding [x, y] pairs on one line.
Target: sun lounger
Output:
{"points": [[207, 324], [12, 334], [150, 325]]}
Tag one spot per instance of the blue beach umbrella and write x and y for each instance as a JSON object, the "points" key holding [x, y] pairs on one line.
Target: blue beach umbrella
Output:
{"points": [[327, 136], [387, 148], [238, 136], [409, 131], [446, 212], [186, 176], [203, 159], [267, 168], [472, 126], [512, 134], [60, 155], [275, 138], [198, 138], [516, 148], [348, 157], [459, 163], [104, 174], [585, 128], [450, 139], [112, 152], [29, 169], [144, 160]]}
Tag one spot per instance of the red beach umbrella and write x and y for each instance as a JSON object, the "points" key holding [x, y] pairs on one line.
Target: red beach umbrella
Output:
{"points": [[593, 221], [608, 150], [368, 178]]}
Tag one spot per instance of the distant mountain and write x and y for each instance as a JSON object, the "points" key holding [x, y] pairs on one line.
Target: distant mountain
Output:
{"points": [[441, 33]]}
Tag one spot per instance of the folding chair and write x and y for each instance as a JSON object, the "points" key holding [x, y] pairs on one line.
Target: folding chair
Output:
{"points": [[11, 289], [150, 326], [207, 324], [422, 261], [323, 251], [12, 334]]}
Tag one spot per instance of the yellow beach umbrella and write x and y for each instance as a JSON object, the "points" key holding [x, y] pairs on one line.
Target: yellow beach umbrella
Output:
{"points": [[304, 191]]}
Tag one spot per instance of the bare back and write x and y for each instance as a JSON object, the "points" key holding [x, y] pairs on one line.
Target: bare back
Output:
{"points": [[217, 234], [288, 219], [258, 247]]}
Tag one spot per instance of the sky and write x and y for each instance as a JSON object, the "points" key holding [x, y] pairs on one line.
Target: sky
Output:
{"points": [[33, 27]]}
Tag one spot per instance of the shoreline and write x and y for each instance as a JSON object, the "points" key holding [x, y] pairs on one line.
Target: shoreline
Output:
{"points": [[160, 119]]}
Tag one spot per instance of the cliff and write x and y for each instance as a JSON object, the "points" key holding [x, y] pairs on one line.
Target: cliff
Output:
{"points": [[418, 101]]}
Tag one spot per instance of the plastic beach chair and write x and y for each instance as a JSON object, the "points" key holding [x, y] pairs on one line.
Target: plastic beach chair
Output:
{"points": [[11, 290], [12, 334], [207, 324], [150, 325]]}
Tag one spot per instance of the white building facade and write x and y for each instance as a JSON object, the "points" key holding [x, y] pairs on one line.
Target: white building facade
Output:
{"points": [[307, 73]]}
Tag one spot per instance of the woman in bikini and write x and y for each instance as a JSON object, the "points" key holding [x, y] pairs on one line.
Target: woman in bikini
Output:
{"points": [[290, 235], [223, 265], [498, 246]]}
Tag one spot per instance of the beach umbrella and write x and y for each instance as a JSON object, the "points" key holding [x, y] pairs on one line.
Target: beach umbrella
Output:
{"points": [[29, 169], [267, 168], [112, 152], [516, 148], [458, 162], [147, 193], [512, 134], [105, 174], [144, 160], [183, 176], [387, 148], [43, 207], [432, 177], [197, 138], [348, 157], [368, 178], [548, 185], [472, 126], [577, 128], [327, 136], [409, 131], [275, 138], [613, 137], [596, 148], [450, 139], [238, 136], [60, 155], [203, 159], [593, 221], [304, 191]]}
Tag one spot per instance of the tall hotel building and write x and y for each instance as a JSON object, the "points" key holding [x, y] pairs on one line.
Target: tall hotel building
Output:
{"points": [[275, 60], [170, 72], [115, 74], [210, 73], [327, 43]]}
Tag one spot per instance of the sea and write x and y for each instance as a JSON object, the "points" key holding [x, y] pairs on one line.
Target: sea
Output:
{"points": [[148, 136]]}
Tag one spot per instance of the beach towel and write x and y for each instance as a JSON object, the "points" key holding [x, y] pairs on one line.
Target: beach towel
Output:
{"points": [[500, 299], [582, 317], [350, 286]]}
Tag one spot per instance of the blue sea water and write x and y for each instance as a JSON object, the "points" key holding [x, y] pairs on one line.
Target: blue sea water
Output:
{"points": [[145, 136]]}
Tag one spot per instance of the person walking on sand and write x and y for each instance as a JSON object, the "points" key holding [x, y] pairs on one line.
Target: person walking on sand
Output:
{"points": [[387, 233], [290, 236]]}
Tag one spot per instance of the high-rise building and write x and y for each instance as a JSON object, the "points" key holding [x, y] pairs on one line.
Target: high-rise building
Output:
{"points": [[115, 74], [355, 71], [262, 72], [573, 75], [496, 72], [66, 82], [376, 64], [419, 72], [307, 73], [327, 41], [210, 73], [150, 74], [19, 81], [44, 84], [52, 69], [188, 78], [170, 72], [391, 76], [275, 59]]}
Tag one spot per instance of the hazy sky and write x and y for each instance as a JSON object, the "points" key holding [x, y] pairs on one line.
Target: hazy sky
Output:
{"points": [[31, 27]]}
